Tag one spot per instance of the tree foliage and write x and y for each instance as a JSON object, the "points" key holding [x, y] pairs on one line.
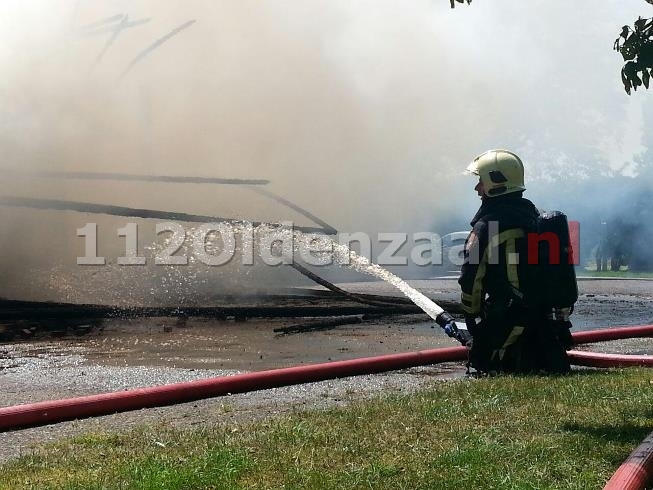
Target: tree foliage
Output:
{"points": [[635, 45]]}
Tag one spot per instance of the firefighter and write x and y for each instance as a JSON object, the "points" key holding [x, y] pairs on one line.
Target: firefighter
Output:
{"points": [[511, 330]]}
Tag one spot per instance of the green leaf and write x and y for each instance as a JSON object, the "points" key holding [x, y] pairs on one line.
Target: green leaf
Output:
{"points": [[630, 69], [645, 57], [645, 78], [640, 24], [629, 48], [636, 81], [625, 81]]}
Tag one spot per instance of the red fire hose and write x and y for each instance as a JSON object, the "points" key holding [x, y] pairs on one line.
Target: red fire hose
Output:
{"points": [[601, 360], [49, 412], [614, 333], [637, 471]]}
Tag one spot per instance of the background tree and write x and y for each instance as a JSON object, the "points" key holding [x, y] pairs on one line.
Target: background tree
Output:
{"points": [[635, 45]]}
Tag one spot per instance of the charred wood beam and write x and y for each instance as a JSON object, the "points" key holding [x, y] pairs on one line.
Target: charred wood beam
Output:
{"points": [[318, 325], [14, 311], [171, 179], [93, 208], [370, 299], [328, 229], [253, 185], [156, 44]]}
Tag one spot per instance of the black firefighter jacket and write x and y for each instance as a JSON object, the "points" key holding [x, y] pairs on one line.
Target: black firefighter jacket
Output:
{"points": [[495, 265]]}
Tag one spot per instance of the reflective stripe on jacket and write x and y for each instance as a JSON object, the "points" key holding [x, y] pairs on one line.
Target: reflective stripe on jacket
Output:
{"points": [[495, 253]]}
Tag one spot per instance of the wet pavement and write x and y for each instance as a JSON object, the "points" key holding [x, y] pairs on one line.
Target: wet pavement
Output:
{"points": [[130, 353]]}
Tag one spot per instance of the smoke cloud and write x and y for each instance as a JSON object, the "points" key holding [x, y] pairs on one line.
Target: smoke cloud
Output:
{"points": [[362, 112]]}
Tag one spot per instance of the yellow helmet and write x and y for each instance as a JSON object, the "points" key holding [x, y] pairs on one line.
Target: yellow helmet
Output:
{"points": [[501, 172]]}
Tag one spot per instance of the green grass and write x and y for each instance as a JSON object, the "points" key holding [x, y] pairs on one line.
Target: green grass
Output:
{"points": [[507, 432], [622, 274]]}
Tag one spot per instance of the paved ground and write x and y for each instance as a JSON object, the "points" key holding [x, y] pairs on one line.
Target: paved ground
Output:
{"points": [[134, 353]]}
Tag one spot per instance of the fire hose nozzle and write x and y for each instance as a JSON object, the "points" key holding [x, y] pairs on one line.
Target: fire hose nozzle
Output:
{"points": [[448, 324]]}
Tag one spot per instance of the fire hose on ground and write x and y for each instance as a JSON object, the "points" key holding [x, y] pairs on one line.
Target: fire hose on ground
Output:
{"points": [[637, 471], [53, 411], [634, 474]]}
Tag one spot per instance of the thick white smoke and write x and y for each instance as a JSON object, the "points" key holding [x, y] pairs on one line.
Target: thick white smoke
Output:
{"points": [[362, 112]]}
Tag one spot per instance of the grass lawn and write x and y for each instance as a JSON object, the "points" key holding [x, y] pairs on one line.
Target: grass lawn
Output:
{"points": [[622, 274], [567, 432]]}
